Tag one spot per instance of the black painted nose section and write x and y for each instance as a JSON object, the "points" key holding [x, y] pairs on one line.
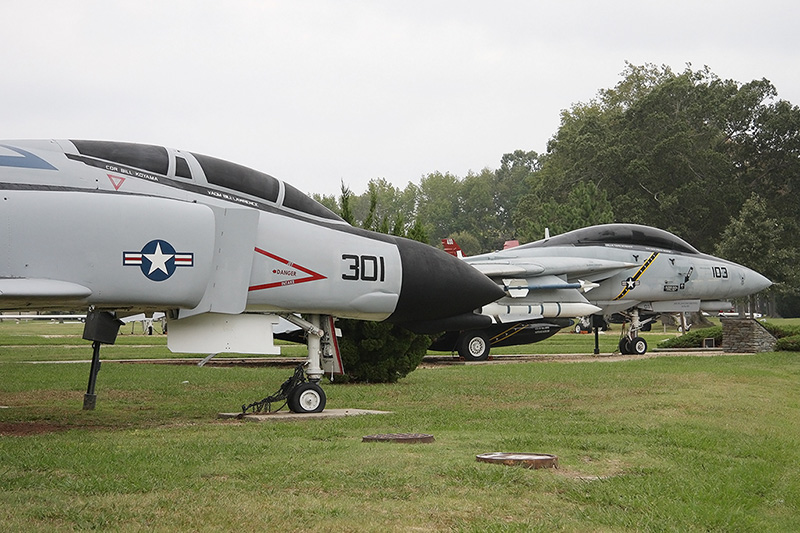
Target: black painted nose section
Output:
{"points": [[436, 285]]}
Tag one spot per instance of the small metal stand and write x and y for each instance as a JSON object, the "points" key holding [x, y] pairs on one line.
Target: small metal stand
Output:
{"points": [[101, 328], [597, 322]]}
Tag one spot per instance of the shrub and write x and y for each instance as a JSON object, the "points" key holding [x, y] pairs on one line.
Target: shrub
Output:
{"points": [[788, 337], [782, 331], [789, 344], [379, 352], [694, 339]]}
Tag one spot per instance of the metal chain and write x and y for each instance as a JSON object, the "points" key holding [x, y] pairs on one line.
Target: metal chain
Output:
{"points": [[281, 395]]}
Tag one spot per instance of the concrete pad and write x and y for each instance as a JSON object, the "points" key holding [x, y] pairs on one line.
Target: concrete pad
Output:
{"points": [[288, 415]]}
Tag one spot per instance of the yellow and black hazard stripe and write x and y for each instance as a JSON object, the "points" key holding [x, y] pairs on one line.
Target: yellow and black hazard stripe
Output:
{"points": [[510, 332], [631, 282]]}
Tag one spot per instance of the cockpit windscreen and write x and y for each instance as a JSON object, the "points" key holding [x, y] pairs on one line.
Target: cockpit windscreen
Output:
{"points": [[620, 235]]}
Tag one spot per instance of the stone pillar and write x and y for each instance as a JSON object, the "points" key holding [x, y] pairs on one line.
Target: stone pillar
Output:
{"points": [[745, 335]]}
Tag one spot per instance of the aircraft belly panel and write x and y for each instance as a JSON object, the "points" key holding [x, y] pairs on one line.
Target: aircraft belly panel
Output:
{"points": [[130, 250], [672, 306], [223, 333]]}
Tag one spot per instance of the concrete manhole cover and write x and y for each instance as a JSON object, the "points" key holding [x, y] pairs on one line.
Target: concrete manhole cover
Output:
{"points": [[407, 438], [527, 460]]}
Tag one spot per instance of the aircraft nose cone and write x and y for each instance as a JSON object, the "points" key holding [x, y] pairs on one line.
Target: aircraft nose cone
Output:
{"points": [[436, 285], [755, 282]]}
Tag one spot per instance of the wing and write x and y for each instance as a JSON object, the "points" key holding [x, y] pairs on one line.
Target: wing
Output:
{"points": [[571, 267]]}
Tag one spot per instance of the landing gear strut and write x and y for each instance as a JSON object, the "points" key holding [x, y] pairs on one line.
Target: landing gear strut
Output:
{"points": [[302, 392], [631, 343]]}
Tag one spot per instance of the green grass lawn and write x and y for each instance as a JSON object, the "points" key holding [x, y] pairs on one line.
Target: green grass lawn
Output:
{"points": [[22, 342], [660, 444]]}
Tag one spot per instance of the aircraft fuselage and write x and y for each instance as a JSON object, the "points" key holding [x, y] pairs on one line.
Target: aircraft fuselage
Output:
{"points": [[606, 269], [654, 277], [136, 227]]}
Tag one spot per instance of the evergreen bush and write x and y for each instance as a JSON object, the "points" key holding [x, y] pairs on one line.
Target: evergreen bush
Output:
{"points": [[694, 339], [379, 352], [788, 344]]}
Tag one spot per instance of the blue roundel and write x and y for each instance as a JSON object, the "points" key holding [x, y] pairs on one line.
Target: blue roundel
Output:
{"points": [[158, 260]]}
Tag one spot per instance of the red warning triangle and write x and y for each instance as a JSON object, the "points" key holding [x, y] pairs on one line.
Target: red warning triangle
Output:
{"points": [[290, 270], [116, 181]]}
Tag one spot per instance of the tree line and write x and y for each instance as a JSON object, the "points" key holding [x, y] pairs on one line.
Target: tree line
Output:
{"points": [[717, 162]]}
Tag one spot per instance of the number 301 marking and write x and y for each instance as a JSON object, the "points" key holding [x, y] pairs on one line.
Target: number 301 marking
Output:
{"points": [[364, 268]]}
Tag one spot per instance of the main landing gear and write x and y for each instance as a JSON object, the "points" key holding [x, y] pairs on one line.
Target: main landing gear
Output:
{"points": [[631, 343]]}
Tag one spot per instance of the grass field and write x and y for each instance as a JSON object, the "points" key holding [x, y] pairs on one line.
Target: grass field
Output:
{"points": [[23, 341], [659, 444]]}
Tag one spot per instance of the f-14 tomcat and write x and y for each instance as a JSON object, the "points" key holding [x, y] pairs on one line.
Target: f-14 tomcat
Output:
{"points": [[637, 271], [223, 249]]}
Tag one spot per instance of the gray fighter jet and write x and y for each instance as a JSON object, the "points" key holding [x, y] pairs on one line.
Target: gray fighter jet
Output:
{"points": [[632, 270], [223, 249]]}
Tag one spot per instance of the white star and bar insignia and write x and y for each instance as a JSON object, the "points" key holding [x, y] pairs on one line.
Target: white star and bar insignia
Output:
{"points": [[158, 260]]}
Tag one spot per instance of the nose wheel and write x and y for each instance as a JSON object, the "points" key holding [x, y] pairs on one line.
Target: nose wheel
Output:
{"points": [[473, 346], [636, 345], [631, 343], [307, 397]]}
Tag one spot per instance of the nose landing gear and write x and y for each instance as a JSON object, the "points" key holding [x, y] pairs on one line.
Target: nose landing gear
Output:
{"points": [[302, 392], [631, 343]]}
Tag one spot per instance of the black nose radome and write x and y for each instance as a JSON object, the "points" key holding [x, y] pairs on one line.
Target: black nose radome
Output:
{"points": [[436, 285]]}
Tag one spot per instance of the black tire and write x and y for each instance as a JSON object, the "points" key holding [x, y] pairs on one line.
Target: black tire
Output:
{"points": [[638, 346], [307, 398], [473, 346], [625, 346]]}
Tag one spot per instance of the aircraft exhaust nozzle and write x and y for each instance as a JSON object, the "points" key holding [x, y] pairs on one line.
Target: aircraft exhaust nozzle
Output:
{"points": [[436, 285]]}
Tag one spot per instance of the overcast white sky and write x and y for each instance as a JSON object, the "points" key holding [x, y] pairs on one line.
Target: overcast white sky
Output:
{"points": [[316, 92]]}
